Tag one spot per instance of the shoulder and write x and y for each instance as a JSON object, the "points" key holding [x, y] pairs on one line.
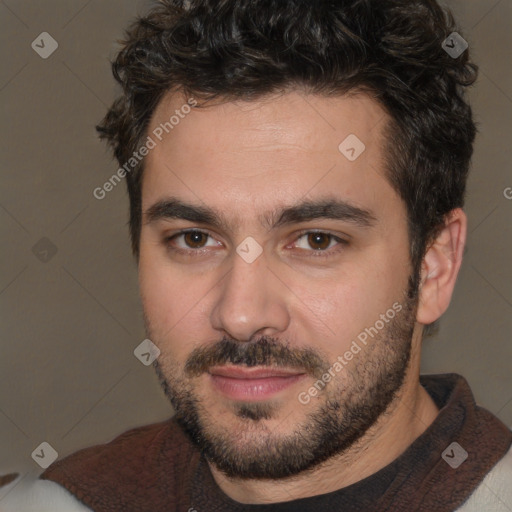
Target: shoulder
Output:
{"points": [[135, 448], [29, 494], [151, 462], [495, 491]]}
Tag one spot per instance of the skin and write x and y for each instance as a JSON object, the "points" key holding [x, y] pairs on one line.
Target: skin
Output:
{"points": [[245, 159]]}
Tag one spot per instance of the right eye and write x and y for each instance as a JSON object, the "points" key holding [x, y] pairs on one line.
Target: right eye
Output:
{"points": [[190, 241]]}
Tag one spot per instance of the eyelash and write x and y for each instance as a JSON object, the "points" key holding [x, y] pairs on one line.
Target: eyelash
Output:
{"points": [[315, 253]]}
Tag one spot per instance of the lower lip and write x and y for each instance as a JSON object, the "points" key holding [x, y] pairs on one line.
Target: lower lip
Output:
{"points": [[253, 389]]}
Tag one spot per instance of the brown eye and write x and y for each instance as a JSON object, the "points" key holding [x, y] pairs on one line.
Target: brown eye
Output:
{"points": [[319, 241], [192, 242], [195, 239]]}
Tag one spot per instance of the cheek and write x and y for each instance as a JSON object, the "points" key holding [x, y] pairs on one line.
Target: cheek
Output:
{"points": [[333, 312], [172, 301]]}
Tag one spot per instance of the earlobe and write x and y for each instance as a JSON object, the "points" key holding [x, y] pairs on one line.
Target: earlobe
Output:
{"points": [[440, 268]]}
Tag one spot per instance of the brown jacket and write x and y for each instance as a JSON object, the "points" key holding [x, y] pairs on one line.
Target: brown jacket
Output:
{"points": [[157, 468]]}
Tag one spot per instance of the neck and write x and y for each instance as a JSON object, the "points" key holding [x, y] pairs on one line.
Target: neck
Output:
{"points": [[410, 414]]}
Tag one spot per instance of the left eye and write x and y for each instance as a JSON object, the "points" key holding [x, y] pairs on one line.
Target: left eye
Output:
{"points": [[317, 240]]}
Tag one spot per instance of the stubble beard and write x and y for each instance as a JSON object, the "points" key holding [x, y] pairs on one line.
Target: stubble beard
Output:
{"points": [[346, 408]]}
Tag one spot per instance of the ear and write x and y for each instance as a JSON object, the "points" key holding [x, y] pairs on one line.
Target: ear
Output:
{"points": [[440, 268]]}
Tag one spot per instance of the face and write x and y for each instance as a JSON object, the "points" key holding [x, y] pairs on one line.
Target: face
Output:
{"points": [[274, 270]]}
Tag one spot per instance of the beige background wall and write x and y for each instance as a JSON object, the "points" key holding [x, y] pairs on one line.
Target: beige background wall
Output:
{"points": [[71, 320]]}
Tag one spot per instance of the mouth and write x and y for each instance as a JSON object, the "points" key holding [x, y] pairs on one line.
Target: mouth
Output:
{"points": [[252, 384]]}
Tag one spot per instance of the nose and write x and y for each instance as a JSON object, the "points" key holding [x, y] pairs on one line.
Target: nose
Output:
{"points": [[251, 301]]}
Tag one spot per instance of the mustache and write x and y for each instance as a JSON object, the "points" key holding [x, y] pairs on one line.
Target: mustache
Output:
{"points": [[266, 351]]}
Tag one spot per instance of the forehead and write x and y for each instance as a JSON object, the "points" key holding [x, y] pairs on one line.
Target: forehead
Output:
{"points": [[247, 156], [293, 118]]}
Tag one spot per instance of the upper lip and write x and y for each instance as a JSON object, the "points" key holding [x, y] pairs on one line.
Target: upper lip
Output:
{"points": [[236, 372]]}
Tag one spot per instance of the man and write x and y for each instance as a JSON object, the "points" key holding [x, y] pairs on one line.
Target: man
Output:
{"points": [[296, 173]]}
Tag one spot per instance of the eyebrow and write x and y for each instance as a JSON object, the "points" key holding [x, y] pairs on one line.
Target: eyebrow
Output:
{"points": [[304, 211]]}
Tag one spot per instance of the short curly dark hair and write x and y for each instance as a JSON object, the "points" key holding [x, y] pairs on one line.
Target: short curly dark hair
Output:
{"points": [[245, 49]]}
